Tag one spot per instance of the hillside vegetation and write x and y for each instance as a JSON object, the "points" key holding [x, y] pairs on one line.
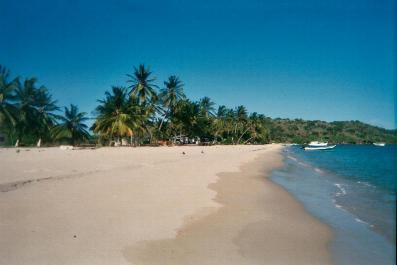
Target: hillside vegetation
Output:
{"points": [[301, 131]]}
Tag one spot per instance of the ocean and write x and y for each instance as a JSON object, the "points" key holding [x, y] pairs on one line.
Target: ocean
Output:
{"points": [[352, 188]]}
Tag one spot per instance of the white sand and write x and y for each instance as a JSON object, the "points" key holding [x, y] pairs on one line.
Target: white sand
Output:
{"points": [[96, 206]]}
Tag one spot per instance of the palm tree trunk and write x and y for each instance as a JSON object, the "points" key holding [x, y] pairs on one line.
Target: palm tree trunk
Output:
{"points": [[39, 142], [162, 120], [17, 143], [11, 138], [234, 132], [238, 141]]}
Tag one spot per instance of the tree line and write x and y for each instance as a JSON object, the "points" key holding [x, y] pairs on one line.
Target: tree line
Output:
{"points": [[141, 112]]}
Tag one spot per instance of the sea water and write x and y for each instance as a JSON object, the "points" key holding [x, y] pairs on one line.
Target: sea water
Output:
{"points": [[352, 188]]}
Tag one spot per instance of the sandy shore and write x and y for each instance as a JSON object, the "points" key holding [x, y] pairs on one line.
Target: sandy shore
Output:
{"points": [[211, 205]]}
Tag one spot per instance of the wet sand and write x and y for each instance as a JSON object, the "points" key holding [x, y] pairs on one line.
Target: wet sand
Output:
{"points": [[258, 223]]}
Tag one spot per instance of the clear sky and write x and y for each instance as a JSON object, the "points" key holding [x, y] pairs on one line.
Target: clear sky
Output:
{"points": [[328, 60]]}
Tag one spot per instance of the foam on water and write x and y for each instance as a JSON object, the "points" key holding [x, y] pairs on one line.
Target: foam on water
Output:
{"points": [[318, 170], [342, 190]]}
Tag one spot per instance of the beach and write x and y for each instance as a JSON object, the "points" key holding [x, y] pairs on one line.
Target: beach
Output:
{"points": [[153, 205]]}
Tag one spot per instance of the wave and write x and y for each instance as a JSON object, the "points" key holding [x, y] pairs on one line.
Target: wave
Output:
{"points": [[303, 164], [318, 170], [358, 220], [299, 162], [342, 190], [338, 205], [292, 158], [366, 184]]}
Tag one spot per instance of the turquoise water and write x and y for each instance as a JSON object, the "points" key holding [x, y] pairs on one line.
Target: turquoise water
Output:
{"points": [[352, 188]]}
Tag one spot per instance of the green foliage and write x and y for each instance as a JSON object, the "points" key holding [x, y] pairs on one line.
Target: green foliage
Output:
{"points": [[28, 114], [120, 115], [355, 132], [172, 93], [72, 127], [145, 115], [142, 86], [7, 99]]}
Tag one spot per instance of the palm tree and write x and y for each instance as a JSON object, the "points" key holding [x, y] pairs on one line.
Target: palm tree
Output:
{"points": [[207, 107], [253, 127], [142, 86], [220, 121], [35, 110], [26, 95], [186, 118], [170, 95], [72, 126], [7, 99], [241, 113], [222, 111], [118, 115], [241, 116], [45, 117]]}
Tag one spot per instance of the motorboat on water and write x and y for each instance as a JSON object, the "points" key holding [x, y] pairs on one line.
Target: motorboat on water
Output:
{"points": [[327, 147], [379, 144], [317, 144]]}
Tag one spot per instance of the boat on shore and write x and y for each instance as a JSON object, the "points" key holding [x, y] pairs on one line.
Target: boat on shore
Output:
{"points": [[379, 144], [327, 147]]}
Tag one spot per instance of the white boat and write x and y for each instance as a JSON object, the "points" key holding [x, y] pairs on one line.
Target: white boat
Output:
{"points": [[319, 147], [379, 144], [317, 143]]}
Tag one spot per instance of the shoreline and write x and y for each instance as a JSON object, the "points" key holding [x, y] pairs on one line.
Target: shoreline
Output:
{"points": [[110, 206], [246, 229], [328, 194]]}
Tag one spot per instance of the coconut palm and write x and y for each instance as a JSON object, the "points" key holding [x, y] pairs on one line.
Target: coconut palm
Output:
{"points": [[170, 95], [219, 124], [26, 95], [113, 118], [142, 86], [7, 99], [240, 120], [241, 113], [172, 92], [72, 126], [44, 117], [222, 111], [35, 110], [207, 107], [258, 129], [251, 126], [119, 115], [185, 120]]}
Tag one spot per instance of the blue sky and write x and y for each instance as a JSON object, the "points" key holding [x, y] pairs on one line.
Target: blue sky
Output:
{"points": [[328, 60]]}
